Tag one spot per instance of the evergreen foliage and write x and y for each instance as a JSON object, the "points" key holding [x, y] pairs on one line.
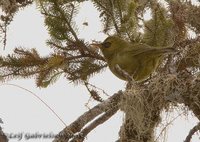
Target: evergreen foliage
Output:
{"points": [[8, 8], [74, 58]]}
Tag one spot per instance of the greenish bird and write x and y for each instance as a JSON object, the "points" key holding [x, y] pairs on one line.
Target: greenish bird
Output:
{"points": [[139, 60]]}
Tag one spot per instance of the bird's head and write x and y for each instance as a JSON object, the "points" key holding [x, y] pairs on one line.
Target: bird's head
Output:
{"points": [[111, 45]]}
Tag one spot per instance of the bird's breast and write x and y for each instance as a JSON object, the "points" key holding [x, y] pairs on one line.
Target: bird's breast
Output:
{"points": [[125, 63]]}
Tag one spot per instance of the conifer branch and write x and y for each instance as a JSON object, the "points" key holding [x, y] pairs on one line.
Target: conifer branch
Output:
{"points": [[110, 14], [56, 4]]}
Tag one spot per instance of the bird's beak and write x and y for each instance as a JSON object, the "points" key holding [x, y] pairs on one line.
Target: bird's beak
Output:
{"points": [[96, 45]]}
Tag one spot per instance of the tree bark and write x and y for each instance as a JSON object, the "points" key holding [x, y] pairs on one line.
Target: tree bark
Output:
{"points": [[3, 137]]}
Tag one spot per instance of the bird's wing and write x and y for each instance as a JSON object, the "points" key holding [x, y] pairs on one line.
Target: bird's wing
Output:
{"points": [[137, 49]]}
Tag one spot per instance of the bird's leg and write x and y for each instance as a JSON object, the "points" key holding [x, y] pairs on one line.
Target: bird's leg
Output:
{"points": [[135, 73], [129, 78], [123, 73]]}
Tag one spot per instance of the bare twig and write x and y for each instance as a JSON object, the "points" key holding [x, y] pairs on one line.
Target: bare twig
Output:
{"points": [[169, 123], [38, 99], [94, 94], [93, 86]]}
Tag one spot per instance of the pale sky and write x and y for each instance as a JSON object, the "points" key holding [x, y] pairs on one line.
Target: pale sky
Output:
{"points": [[23, 113]]}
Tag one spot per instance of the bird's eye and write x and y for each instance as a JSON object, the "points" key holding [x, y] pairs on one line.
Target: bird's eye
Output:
{"points": [[106, 44]]}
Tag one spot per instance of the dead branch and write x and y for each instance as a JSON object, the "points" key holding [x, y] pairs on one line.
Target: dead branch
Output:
{"points": [[3, 137], [192, 131], [81, 136], [76, 126]]}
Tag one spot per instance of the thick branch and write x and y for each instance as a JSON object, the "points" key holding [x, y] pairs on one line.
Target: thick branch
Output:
{"points": [[88, 116], [191, 94], [93, 125], [3, 137], [191, 133]]}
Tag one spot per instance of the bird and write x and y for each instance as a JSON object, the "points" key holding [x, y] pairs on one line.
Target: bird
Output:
{"points": [[138, 60]]}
